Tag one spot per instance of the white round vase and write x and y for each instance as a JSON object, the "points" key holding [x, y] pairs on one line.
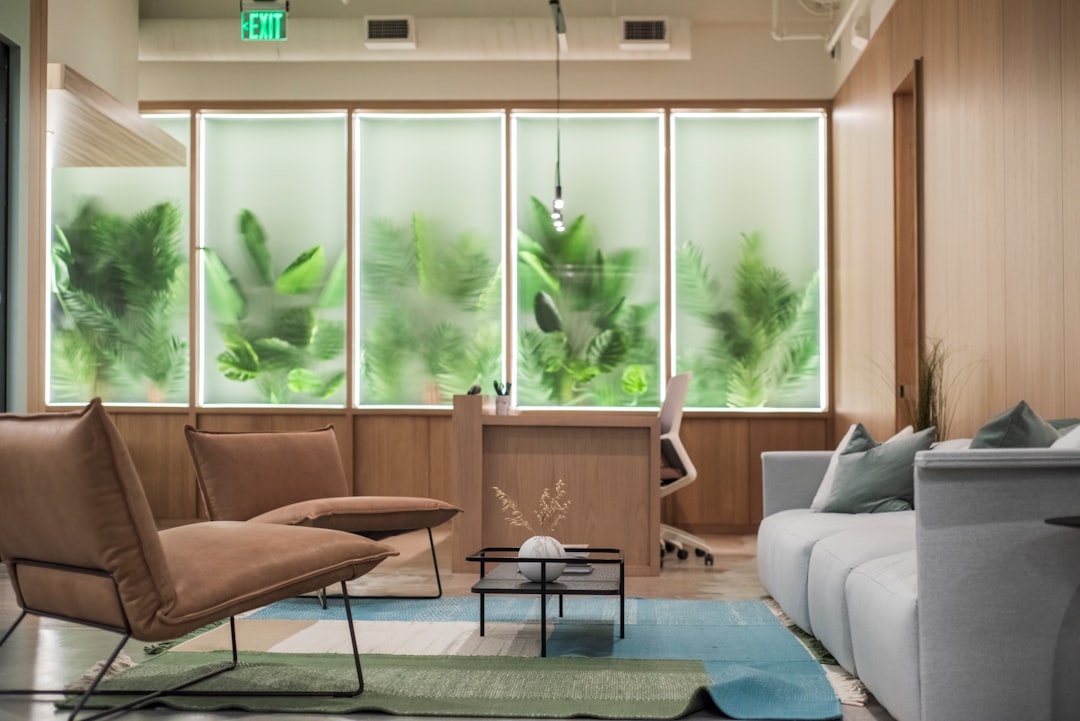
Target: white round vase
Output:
{"points": [[541, 547]]}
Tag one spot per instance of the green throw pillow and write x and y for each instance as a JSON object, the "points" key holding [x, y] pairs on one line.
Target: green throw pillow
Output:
{"points": [[881, 479], [1018, 427]]}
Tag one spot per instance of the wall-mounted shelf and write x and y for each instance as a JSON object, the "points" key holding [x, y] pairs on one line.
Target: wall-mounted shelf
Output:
{"points": [[90, 128]]}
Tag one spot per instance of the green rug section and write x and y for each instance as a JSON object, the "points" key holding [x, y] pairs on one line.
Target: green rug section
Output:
{"points": [[483, 686]]}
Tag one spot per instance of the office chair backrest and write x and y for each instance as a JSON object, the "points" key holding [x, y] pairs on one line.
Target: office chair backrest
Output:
{"points": [[672, 409], [243, 475], [76, 530]]}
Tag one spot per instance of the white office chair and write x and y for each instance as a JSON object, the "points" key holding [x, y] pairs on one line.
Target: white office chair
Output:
{"points": [[677, 470]]}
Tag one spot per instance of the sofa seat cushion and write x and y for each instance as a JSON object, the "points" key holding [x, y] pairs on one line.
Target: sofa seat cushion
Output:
{"points": [[831, 562], [882, 598], [784, 543]]}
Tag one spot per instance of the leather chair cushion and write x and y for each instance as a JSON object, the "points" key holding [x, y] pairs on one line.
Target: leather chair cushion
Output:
{"points": [[221, 568], [374, 516], [245, 474]]}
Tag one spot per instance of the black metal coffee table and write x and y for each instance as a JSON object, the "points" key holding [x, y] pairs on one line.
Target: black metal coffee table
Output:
{"points": [[499, 574]]}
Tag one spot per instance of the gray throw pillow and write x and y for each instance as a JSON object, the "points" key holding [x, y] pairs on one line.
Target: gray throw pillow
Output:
{"points": [[1018, 427], [881, 479]]}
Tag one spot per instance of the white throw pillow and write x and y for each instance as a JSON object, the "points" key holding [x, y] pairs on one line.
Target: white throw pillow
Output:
{"points": [[825, 489], [1069, 442]]}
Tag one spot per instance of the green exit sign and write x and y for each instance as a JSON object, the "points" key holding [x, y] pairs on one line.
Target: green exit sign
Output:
{"points": [[262, 25]]}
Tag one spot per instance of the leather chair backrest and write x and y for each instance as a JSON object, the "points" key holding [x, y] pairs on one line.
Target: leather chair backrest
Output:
{"points": [[76, 531], [244, 474]]}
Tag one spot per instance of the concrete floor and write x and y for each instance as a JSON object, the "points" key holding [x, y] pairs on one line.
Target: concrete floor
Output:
{"points": [[47, 653]]}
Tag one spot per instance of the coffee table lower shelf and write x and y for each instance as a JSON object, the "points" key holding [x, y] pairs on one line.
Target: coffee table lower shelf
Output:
{"points": [[499, 575]]}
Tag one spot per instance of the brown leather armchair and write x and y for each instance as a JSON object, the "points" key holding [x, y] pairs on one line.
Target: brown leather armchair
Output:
{"points": [[297, 478], [80, 544]]}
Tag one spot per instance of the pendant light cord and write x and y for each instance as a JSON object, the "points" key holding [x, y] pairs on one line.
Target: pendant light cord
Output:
{"points": [[558, 109]]}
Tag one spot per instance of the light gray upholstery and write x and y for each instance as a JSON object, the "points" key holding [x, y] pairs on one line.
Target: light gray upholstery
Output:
{"points": [[785, 542], [882, 601], [985, 626], [999, 589], [832, 560], [794, 477]]}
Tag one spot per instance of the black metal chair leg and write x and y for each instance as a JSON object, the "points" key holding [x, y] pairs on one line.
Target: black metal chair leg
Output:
{"points": [[12, 627], [181, 689], [438, 580]]}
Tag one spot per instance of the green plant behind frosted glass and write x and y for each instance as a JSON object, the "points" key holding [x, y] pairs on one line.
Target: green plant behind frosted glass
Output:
{"points": [[116, 283], [762, 340], [275, 330], [430, 320], [589, 344]]}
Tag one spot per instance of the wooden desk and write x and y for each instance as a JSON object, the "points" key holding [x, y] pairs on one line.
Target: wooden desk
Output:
{"points": [[609, 461]]}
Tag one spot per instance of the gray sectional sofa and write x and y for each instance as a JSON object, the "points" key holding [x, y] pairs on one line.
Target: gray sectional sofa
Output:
{"points": [[966, 608]]}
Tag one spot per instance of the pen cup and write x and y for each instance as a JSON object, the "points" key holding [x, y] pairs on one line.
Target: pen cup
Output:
{"points": [[502, 405]]}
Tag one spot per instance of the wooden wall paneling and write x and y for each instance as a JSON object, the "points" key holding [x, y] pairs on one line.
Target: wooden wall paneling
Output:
{"points": [[964, 267], [441, 457], [604, 509], [392, 455], [781, 435], [160, 453], [1070, 160], [905, 27], [720, 497], [1033, 218], [863, 243]]}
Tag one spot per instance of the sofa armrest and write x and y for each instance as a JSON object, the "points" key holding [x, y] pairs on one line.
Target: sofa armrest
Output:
{"points": [[999, 588], [790, 479]]}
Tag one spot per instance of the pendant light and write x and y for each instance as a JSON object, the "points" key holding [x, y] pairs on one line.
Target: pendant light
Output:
{"points": [[560, 38]]}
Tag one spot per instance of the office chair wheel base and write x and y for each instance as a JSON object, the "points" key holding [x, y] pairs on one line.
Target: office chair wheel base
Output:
{"points": [[669, 546], [683, 554], [699, 552], [708, 559]]}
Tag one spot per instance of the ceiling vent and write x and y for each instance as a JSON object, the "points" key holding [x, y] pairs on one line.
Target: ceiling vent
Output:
{"points": [[386, 32], [644, 34]]}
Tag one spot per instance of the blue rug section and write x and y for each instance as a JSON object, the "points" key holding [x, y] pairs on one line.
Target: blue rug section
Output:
{"points": [[758, 668], [526, 609]]}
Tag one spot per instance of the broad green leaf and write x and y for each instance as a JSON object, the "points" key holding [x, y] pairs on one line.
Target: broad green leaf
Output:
{"points": [[302, 380], [296, 325], [329, 340], [607, 350], [533, 261], [634, 380], [255, 244], [223, 292], [276, 354], [304, 273], [331, 385], [239, 362], [334, 292], [547, 315], [426, 265]]}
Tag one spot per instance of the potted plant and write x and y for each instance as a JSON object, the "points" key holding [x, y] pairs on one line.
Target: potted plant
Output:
{"points": [[589, 343], [116, 281], [761, 339], [277, 327]]}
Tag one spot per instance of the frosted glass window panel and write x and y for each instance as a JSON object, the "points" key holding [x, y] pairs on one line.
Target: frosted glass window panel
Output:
{"points": [[430, 228], [118, 316], [588, 299], [273, 261], [748, 246]]}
